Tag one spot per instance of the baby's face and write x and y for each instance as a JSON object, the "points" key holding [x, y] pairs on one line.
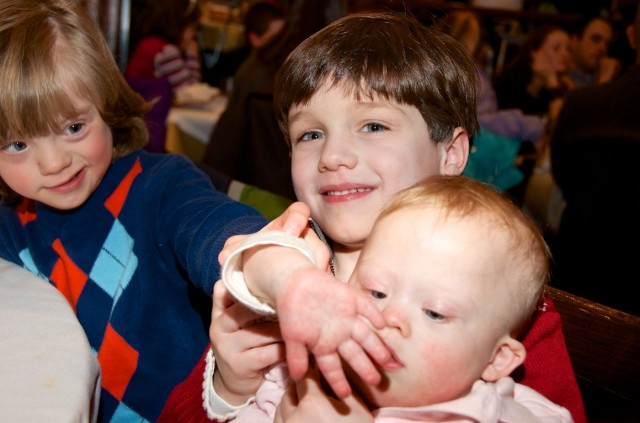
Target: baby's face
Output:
{"points": [[350, 157], [437, 282], [64, 168]]}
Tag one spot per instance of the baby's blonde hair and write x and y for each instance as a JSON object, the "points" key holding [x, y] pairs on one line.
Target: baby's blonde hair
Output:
{"points": [[461, 197]]}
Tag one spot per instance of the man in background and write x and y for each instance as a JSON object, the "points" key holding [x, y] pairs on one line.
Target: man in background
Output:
{"points": [[590, 62], [595, 151]]}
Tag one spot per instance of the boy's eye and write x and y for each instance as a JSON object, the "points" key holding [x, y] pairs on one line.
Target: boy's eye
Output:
{"points": [[310, 136], [373, 127], [433, 315], [14, 147], [74, 128]]}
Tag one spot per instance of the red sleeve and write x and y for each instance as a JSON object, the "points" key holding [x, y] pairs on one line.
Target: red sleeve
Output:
{"points": [[185, 404], [547, 368]]}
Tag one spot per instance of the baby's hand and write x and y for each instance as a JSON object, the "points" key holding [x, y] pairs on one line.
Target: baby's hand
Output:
{"points": [[325, 317]]}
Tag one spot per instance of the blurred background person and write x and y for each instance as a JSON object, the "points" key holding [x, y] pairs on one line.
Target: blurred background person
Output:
{"points": [[501, 130], [589, 62], [167, 46], [537, 74], [261, 20], [247, 144], [595, 150]]}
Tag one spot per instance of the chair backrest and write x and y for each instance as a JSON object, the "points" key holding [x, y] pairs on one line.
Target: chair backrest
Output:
{"points": [[603, 343]]}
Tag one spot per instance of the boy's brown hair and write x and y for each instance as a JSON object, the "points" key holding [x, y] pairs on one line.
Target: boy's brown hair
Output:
{"points": [[49, 51], [391, 55]]}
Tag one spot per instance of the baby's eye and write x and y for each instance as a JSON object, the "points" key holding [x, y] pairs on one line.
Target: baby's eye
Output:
{"points": [[433, 315], [378, 295], [74, 128], [14, 147], [310, 136], [374, 127]]}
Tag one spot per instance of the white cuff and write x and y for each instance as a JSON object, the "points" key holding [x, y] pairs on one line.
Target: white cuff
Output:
{"points": [[217, 408], [232, 274]]}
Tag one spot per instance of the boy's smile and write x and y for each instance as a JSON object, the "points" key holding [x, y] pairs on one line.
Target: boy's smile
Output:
{"points": [[350, 157]]}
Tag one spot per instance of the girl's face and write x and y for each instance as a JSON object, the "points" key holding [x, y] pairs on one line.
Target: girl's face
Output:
{"points": [[556, 49], [61, 169], [350, 157]]}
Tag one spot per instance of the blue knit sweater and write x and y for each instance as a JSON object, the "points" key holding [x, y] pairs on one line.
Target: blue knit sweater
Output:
{"points": [[137, 262]]}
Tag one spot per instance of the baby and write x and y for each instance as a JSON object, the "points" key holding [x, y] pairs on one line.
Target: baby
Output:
{"points": [[457, 271]]}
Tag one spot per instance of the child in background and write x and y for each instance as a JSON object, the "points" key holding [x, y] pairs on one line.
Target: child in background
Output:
{"points": [[457, 271], [130, 238], [263, 20], [168, 47], [360, 130]]}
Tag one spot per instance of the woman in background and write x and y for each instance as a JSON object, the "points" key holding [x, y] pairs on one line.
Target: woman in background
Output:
{"points": [[537, 74], [168, 47]]}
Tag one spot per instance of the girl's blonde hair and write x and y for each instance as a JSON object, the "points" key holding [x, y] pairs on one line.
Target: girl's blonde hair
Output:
{"points": [[50, 52]]}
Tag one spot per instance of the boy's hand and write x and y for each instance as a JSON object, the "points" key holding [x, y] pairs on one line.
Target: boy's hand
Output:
{"points": [[306, 401], [244, 351], [325, 317]]}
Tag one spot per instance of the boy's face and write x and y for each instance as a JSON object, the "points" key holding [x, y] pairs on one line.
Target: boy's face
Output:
{"points": [[438, 284], [61, 169], [349, 158]]}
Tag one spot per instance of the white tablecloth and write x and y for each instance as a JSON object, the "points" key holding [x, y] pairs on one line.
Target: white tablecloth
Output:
{"points": [[198, 121], [47, 370]]}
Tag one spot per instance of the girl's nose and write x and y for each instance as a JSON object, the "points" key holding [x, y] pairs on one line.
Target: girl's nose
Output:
{"points": [[336, 153], [52, 159]]}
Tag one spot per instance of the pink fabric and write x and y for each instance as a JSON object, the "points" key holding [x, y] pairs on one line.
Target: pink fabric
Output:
{"points": [[503, 401], [547, 370]]}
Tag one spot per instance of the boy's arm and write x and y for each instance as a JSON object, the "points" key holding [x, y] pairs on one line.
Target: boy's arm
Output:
{"points": [[317, 313]]}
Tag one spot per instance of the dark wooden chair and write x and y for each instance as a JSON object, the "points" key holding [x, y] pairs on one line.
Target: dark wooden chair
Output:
{"points": [[604, 347]]}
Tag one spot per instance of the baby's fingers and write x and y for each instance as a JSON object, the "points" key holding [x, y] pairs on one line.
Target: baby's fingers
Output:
{"points": [[297, 359], [369, 341], [331, 368]]}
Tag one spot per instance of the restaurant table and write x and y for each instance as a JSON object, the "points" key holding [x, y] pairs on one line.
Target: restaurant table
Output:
{"points": [[189, 127], [47, 370]]}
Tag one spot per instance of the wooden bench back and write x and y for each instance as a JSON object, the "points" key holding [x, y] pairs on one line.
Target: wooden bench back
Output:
{"points": [[603, 343]]}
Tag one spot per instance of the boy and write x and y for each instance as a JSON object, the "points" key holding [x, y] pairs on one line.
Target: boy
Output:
{"points": [[457, 271], [370, 105]]}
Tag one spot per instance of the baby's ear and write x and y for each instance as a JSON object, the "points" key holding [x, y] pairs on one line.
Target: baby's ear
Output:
{"points": [[508, 355]]}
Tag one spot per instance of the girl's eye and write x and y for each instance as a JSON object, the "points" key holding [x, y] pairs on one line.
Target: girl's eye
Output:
{"points": [[433, 315], [310, 136], [74, 128], [374, 127], [14, 147]]}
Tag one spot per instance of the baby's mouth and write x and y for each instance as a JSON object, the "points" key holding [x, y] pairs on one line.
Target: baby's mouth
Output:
{"points": [[395, 362]]}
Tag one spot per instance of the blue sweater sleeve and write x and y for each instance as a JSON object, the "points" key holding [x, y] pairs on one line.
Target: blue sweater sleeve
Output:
{"points": [[195, 219]]}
